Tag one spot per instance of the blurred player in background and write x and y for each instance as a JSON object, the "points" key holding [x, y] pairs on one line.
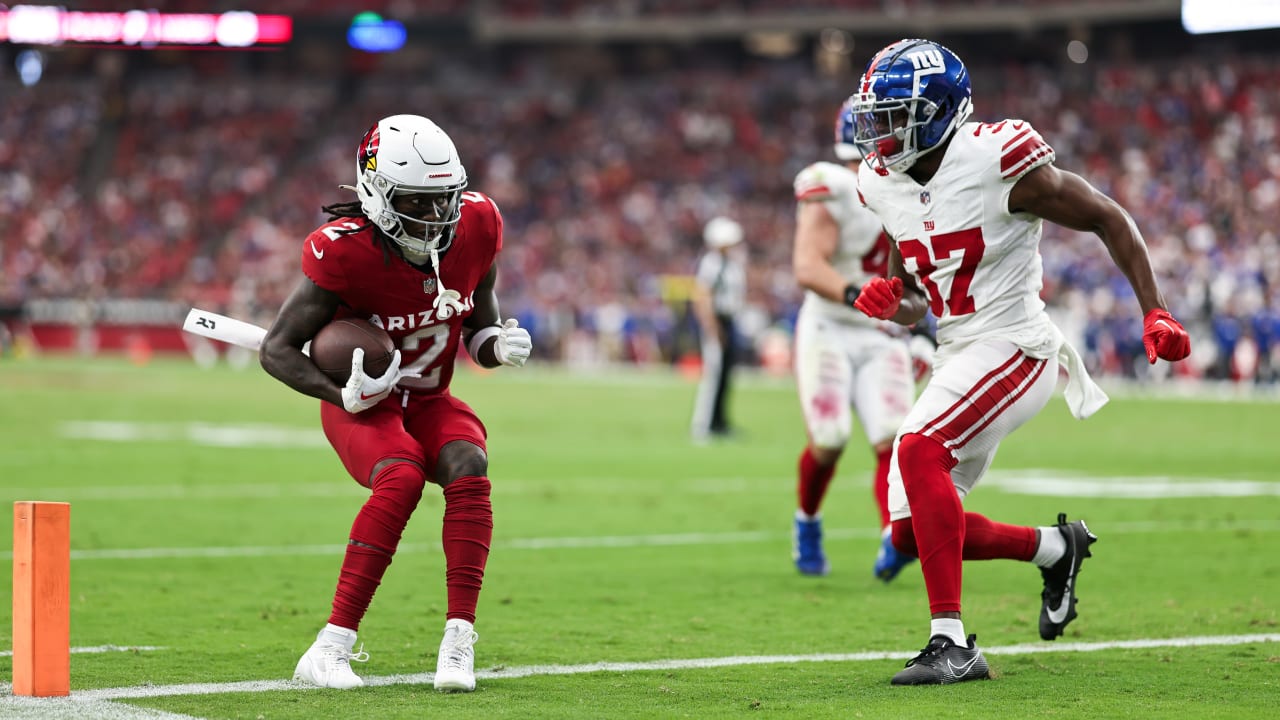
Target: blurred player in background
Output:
{"points": [[719, 294], [414, 254], [963, 203], [844, 360]]}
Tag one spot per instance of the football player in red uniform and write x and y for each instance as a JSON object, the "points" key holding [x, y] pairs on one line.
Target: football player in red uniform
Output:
{"points": [[414, 254]]}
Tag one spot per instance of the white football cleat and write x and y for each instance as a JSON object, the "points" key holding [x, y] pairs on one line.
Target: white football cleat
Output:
{"points": [[455, 665], [327, 663]]}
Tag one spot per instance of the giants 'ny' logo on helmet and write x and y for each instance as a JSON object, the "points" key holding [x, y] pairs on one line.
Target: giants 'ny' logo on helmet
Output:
{"points": [[367, 155], [913, 95]]}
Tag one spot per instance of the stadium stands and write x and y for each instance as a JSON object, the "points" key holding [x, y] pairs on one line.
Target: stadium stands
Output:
{"points": [[195, 182]]}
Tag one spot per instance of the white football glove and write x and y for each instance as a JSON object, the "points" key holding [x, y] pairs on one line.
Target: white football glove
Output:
{"points": [[514, 344], [363, 392]]}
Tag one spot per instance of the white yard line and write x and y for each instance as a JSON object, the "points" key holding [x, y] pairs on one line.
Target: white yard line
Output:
{"points": [[100, 649], [609, 541], [196, 433], [595, 485], [1022, 481], [98, 703], [1065, 484], [73, 708]]}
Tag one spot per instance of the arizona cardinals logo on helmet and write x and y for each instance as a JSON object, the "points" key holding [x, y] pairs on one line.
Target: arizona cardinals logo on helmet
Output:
{"points": [[368, 152]]}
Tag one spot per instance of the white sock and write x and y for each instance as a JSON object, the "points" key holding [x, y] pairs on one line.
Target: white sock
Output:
{"points": [[345, 637], [802, 516], [950, 627], [1051, 548], [459, 623]]}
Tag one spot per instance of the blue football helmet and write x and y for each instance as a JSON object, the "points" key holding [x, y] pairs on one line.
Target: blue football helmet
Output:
{"points": [[914, 94], [846, 144]]}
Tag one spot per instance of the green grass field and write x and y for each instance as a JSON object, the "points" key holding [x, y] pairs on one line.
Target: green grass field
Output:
{"points": [[209, 516]]}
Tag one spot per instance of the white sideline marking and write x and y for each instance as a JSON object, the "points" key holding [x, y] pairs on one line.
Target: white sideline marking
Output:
{"points": [[98, 703], [607, 541], [1024, 482], [101, 649], [73, 708], [230, 491], [216, 435], [598, 485], [1059, 484]]}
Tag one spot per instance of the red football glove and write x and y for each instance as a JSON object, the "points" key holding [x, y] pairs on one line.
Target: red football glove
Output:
{"points": [[1164, 337], [880, 297]]}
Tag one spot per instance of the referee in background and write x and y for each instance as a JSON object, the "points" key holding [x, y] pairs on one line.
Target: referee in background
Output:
{"points": [[719, 293]]}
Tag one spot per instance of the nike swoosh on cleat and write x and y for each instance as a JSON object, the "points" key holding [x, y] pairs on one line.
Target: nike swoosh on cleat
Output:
{"points": [[318, 253], [960, 671], [1059, 614]]}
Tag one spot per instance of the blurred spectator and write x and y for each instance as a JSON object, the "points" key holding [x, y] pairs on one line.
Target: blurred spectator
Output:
{"points": [[194, 184]]}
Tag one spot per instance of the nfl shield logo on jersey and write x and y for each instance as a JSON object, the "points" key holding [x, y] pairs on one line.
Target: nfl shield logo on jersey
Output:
{"points": [[429, 285], [925, 197]]}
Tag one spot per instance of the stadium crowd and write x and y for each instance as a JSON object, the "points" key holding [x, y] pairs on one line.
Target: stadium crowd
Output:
{"points": [[196, 185], [553, 9]]}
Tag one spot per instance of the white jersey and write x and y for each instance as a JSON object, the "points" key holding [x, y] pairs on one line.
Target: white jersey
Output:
{"points": [[862, 252], [979, 264]]}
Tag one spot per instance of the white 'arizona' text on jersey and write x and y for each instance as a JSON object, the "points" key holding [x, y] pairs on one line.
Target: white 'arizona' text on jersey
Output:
{"points": [[978, 264], [862, 251]]}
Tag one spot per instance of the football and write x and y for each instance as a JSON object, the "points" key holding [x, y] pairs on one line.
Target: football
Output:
{"points": [[331, 348]]}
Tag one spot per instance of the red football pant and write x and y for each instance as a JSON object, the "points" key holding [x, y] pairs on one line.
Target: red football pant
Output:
{"points": [[940, 532]]}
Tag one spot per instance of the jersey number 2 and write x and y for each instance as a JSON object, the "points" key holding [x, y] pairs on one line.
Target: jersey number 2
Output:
{"points": [[438, 337], [970, 245]]}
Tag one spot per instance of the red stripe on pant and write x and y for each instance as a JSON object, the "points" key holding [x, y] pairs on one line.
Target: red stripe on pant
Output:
{"points": [[1026, 385], [942, 417], [984, 398]]}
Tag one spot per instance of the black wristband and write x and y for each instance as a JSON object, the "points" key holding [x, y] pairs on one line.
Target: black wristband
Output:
{"points": [[851, 293]]}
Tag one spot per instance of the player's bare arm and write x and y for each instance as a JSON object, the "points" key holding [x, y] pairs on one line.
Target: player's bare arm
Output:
{"points": [[816, 239], [1067, 199], [308, 308], [489, 340], [914, 304], [485, 299]]}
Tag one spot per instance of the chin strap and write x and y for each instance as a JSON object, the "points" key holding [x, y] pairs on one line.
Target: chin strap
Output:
{"points": [[448, 302]]}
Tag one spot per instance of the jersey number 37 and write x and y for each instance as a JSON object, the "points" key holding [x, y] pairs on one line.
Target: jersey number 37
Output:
{"points": [[969, 245]]}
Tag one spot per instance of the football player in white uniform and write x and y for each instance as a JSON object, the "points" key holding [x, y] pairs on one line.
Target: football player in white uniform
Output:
{"points": [[844, 360], [963, 203]]}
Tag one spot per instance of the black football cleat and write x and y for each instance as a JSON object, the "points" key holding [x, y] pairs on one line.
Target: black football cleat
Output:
{"points": [[1058, 599], [942, 662]]}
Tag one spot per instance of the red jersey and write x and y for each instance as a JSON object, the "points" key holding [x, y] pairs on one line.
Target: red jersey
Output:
{"points": [[399, 297]]}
